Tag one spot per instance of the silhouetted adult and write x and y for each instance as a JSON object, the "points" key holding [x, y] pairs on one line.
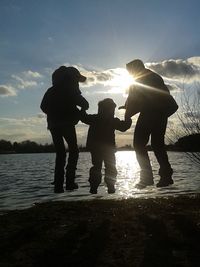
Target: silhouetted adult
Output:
{"points": [[60, 104], [150, 96]]}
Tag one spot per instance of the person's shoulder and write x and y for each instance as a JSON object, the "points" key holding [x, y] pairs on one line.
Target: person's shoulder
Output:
{"points": [[154, 74], [50, 89], [154, 77]]}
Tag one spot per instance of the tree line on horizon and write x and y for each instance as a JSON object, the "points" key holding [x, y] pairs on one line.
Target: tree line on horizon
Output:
{"points": [[187, 143]]}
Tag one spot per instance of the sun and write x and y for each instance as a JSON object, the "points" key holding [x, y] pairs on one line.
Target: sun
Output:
{"points": [[121, 81]]}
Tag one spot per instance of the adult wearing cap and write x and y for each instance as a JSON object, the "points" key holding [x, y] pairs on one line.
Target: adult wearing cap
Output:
{"points": [[60, 104], [150, 97]]}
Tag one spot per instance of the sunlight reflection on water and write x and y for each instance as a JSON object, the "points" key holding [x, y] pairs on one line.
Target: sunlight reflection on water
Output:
{"points": [[25, 179]]}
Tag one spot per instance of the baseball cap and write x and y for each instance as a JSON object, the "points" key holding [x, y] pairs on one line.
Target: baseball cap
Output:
{"points": [[72, 71], [62, 72]]}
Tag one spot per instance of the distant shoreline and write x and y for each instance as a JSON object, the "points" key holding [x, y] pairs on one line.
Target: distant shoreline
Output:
{"points": [[190, 143], [18, 153], [169, 148]]}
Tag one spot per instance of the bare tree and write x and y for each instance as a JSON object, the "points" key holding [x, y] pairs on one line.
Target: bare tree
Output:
{"points": [[189, 118]]}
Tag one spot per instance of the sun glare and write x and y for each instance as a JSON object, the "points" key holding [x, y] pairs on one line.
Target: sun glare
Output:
{"points": [[128, 172], [121, 81]]}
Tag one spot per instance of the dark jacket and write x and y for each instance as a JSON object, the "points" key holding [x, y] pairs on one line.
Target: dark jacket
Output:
{"points": [[101, 132], [60, 105], [150, 95]]}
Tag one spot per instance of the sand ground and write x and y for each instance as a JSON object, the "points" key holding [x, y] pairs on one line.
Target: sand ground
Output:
{"points": [[134, 232]]}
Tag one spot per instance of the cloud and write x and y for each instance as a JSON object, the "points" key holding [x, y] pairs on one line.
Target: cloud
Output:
{"points": [[194, 60], [97, 77], [26, 121], [179, 70], [173, 87], [32, 74], [20, 129], [41, 115], [26, 79], [6, 90], [22, 83], [113, 80], [173, 71], [109, 81], [193, 115]]}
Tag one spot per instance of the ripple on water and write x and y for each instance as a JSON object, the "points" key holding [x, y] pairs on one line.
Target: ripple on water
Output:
{"points": [[26, 179]]}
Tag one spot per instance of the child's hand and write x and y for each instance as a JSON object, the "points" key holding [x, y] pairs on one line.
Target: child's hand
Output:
{"points": [[127, 118]]}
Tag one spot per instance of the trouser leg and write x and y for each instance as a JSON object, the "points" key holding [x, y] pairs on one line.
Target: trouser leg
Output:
{"points": [[60, 157], [95, 171], [158, 145], [110, 167], [141, 138], [70, 137]]}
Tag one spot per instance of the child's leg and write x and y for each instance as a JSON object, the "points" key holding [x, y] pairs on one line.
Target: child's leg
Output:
{"points": [[95, 171], [110, 170]]}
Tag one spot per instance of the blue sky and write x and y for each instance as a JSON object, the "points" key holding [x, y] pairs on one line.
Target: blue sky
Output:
{"points": [[99, 37]]}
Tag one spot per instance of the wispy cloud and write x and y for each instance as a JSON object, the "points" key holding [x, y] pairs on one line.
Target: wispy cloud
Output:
{"points": [[173, 87], [108, 81], [20, 129], [26, 79], [115, 80], [6, 90], [26, 121], [187, 70], [22, 83]]}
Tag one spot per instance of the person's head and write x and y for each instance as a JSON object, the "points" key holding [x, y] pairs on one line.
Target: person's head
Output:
{"points": [[135, 67], [106, 107], [64, 74]]}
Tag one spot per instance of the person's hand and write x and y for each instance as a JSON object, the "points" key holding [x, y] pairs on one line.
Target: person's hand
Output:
{"points": [[85, 106], [122, 107], [128, 120], [82, 110], [127, 117]]}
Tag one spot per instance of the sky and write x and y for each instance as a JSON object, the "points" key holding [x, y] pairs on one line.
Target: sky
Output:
{"points": [[98, 37]]}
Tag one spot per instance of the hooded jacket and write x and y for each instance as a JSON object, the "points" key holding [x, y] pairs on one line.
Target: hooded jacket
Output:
{"points": [[150, 95], [101, 133], [60, 104]]}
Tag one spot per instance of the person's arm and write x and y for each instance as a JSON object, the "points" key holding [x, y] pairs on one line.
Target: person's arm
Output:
{"points": [[82, 102], [124, 106], [87, 118], [122, 125], [44, 104], [134, 102]]}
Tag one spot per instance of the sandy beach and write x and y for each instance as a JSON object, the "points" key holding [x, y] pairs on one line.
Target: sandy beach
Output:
{"points": [[133, 232]]}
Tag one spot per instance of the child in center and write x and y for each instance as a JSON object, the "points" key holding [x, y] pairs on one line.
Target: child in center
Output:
{"points": [[101, 143]]}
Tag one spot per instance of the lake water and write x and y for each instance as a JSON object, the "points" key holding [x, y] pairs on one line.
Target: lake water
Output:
{"points": [[25, 179]]}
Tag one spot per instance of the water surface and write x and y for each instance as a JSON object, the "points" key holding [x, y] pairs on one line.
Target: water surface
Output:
{"points": [[25, 179]]}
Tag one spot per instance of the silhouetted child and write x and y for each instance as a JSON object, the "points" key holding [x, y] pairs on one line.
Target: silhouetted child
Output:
{"points": [[101, 143], [60, 104]]}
